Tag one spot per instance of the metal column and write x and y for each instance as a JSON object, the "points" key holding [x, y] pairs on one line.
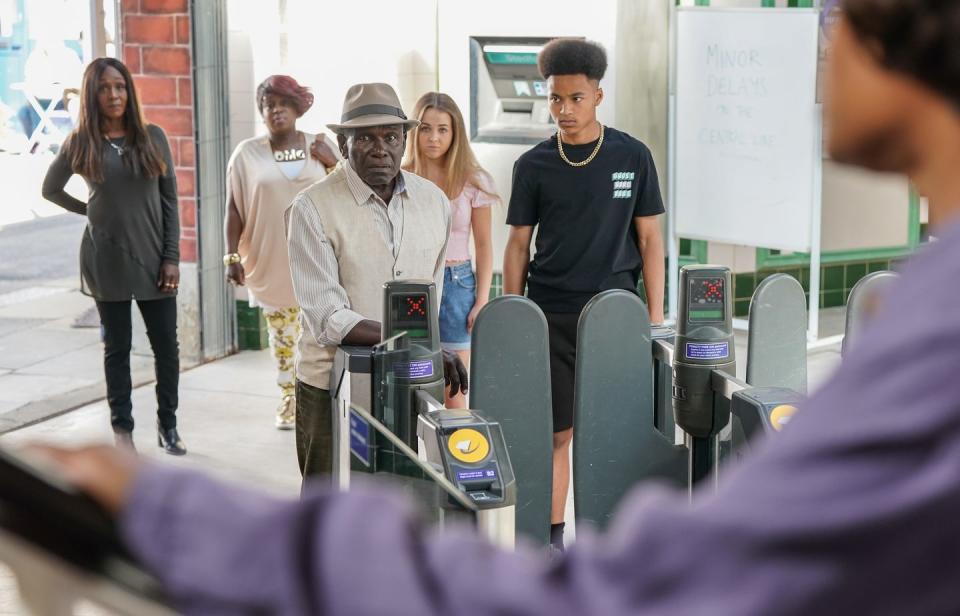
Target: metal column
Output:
{"points": [[212, 133]]}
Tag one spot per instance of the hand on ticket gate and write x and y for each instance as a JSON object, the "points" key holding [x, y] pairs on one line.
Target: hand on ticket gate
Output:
{"points": [[454, 374], [104, 472]]}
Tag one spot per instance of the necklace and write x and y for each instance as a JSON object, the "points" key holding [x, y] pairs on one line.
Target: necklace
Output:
{"points": [[582, 163], [118, 148], [285, 154], [282, 156]]}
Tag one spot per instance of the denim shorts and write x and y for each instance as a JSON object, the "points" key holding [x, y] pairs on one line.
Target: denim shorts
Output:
{"points": [[459, 296]]}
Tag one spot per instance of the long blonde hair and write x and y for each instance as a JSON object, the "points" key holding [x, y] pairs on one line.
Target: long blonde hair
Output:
{"points": [[461, 165]]}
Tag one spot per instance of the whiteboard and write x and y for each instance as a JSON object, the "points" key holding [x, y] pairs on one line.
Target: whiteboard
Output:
{"points": [[746, 126]]}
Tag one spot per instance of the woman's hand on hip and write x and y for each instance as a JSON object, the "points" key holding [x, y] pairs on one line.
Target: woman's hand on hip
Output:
{"points": [[235, 274], [169, 280]]}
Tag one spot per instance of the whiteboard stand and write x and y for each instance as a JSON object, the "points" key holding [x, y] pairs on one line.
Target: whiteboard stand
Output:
{"points": [[673, 241], [813, 309], [814, 341]]}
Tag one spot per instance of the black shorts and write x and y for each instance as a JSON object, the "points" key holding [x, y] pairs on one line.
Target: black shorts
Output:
{"points": [[562, 328]]}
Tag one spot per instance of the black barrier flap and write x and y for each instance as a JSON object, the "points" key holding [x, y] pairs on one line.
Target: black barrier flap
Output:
{"points": [[41, 508], [865, 299], [510, 384], [616, 443], [777, 343]]}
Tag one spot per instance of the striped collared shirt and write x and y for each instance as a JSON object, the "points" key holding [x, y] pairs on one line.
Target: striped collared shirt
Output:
{"points": [[313, 264]]}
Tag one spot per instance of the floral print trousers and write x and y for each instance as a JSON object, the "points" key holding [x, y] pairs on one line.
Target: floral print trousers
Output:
{"points": [[283, 329]]}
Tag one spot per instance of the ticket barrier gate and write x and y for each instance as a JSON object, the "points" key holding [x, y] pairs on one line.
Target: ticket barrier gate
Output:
{"points": [[705, 388], [458, 469], [669, 420], [454, 463], [63, 548]]}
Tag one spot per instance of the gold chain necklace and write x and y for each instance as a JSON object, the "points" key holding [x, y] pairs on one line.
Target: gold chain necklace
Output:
{"points": [[582, 163]]}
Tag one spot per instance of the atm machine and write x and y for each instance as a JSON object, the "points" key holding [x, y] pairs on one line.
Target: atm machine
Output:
{"points": [[508, 98], [487, 63]]}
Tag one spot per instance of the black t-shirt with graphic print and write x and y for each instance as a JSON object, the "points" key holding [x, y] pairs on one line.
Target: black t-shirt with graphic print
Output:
{"points": [[586, 238]]}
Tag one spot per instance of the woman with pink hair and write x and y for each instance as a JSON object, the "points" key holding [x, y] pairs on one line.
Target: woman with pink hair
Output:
{"points": [[263, 176]]}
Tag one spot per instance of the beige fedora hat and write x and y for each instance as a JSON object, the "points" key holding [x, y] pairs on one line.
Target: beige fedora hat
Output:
{"points": [[371, 104]]}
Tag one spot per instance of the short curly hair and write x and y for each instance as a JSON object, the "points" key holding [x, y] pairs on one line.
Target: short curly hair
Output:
{"points": [[572, 56], [288, 88], [920, 38]]}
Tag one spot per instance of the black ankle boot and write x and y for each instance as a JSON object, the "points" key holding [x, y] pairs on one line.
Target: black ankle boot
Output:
{"points": [[170, 441], [122, 438]]}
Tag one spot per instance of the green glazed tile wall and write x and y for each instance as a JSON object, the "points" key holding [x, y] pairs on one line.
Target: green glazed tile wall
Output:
{"points": [[251, 328], [496, 285], [836, 281], [496, 288]]}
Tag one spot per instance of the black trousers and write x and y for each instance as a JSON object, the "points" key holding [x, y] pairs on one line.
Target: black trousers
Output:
{"points": [[160, 317], [314, 431]]}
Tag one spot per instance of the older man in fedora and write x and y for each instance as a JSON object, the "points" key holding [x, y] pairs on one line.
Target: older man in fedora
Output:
{"points": [[367, 222]]}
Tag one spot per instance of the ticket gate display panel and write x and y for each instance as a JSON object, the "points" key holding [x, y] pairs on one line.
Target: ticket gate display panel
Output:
{"points": [[704, 343], [412, 307], [471, 452]]}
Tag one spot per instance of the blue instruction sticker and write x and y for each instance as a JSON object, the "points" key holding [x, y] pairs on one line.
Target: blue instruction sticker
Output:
{"points": [[360, 438], [488, 473], [708, 350], [419, 369]]}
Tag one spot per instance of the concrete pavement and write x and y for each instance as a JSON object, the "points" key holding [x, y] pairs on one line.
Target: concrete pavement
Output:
{"points": [[226, 419], [47, 366]]}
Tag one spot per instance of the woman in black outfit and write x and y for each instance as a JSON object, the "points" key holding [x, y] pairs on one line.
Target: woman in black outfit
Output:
{"points": [[130, 248]]}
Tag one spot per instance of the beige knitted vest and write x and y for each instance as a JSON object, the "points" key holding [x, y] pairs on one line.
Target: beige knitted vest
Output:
{"points": [[365, 261]]}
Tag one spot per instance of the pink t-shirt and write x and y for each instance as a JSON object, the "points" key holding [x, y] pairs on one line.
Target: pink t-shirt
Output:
{"points": [[461, 211]]}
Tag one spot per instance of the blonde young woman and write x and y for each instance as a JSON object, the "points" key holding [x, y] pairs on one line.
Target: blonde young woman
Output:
{"points": [[263, 176], [439, 151]]}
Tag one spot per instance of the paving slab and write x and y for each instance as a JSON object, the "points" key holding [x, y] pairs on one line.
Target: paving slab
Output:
{"points": [[28, 347], [23, 388], [59, 303], [228, 433], [11, 325], [83, 363]]}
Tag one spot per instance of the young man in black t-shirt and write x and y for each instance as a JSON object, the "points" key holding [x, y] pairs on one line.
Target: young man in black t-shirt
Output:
{"points": [[593, 193]]}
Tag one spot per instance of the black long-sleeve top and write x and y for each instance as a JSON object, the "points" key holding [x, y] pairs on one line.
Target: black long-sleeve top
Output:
{"points": [[133, 223]]}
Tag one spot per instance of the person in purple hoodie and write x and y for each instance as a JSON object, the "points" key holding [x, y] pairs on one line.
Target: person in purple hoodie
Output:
{"points": [[852, 510]]}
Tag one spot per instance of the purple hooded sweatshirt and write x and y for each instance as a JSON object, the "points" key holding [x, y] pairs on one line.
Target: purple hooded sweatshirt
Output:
{"points": [[853, 509]]}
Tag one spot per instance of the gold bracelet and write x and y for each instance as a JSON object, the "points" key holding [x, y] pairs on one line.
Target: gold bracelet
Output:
{"points": [[231, 259]]}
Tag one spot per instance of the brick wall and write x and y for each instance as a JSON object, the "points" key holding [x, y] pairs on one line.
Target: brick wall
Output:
{"points": [[155, 37]]}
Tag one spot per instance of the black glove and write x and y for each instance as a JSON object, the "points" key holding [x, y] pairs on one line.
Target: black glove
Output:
{"points": [[454, 374]]}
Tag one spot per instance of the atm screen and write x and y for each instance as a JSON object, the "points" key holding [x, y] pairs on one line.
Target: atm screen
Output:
{"points": [[522, 88], [706, 299], [409, 314]]}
